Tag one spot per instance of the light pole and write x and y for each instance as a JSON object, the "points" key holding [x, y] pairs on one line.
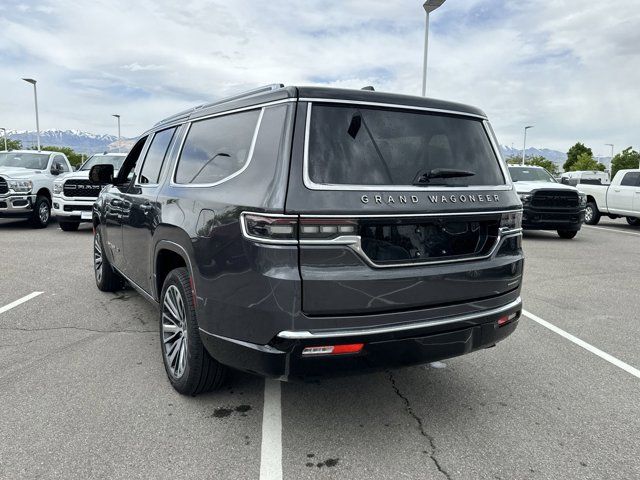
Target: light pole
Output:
{"points": [[4, 134], [524, 144], [118, 117], [429, 6], [35, 97], [610, 161]]}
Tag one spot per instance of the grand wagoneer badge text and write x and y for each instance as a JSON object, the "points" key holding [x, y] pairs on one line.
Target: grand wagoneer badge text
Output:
{"points": [[453, 198]]}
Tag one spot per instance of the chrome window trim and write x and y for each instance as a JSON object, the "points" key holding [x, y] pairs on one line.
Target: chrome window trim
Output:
{"points": [[172, 180], [167, 156], [306, 334], [310, 184], [431, 214], [188, 120]]}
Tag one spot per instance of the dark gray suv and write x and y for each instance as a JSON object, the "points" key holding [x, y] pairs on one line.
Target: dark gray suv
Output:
{"points": [[302, 231]]}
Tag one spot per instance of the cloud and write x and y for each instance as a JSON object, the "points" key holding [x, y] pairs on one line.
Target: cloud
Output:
{"points": [[571, 68]]}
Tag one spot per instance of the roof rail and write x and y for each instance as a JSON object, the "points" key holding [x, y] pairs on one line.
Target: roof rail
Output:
{"points": [[246, 94]]}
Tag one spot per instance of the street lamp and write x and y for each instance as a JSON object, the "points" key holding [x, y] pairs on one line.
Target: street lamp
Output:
{"points": [[4, 134], [118, 117], [524, 144], [429, 6], [35, 96]]}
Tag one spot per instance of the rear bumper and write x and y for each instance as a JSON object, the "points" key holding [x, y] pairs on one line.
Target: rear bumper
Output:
{"points": [[546, 219], [384, 347], [16, 205]]}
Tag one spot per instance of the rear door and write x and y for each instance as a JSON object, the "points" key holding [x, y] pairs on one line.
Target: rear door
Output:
{"points": [[621, 197], [143, 211], [394, 206]]}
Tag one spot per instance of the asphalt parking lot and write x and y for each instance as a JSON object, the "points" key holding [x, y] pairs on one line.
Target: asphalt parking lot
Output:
{"points": [[84, 393]]}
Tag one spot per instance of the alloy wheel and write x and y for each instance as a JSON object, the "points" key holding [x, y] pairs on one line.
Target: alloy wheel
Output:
{"points": [[97, 257], [588, 214], [43, 212], [174, 331]]}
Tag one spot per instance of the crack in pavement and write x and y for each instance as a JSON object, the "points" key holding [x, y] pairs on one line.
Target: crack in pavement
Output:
{"points": [[409, 410], [84, 329]]}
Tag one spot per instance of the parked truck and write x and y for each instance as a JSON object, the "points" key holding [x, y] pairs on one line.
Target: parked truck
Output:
{"points": [[619, 199]]}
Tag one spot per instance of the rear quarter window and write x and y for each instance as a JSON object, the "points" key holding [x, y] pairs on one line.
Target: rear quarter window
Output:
{"points": [[353, 145], [216, 148]]}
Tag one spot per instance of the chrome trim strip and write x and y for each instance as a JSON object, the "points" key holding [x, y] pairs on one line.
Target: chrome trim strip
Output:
{"points": [[310, 184], [172, 181], [183, 120], [391, 105], [305, 334], [394, 215]]}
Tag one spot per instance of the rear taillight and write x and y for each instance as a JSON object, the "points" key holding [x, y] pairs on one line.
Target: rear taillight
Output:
{"points": [[326, 228], [511, 220], [288, 229], [278, 228]]}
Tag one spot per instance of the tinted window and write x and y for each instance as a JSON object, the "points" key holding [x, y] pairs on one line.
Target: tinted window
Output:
{"points": [[216, 148], [115, 160], [126, 170], [630, 179], [155, 156], [524, 174], [372, 146]]}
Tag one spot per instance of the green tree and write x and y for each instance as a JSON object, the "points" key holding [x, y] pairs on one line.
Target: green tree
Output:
{"points": [[535, 160], [628, 158], [75, 158], [11, 144], [587, 162], [573, 154]]}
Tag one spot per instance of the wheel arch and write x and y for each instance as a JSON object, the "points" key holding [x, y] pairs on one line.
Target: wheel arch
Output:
{"points": [[44, 192], [168, 255]]}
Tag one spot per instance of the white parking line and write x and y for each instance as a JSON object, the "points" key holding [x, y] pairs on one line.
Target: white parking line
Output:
{"points": [[19, 301], [271, 451], [610, 230], [605, 356]]}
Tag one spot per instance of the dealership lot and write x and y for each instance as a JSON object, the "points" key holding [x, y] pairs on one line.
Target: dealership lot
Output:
{"points": [[84, 393]]}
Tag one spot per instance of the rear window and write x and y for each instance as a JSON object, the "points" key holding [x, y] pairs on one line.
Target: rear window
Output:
{"points": [[216, 148], [351, 145]]}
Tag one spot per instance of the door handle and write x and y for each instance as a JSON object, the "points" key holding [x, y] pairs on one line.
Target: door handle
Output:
{"points": [[616, 189]]}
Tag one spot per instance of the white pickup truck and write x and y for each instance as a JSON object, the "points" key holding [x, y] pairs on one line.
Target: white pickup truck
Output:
{"points": [[619, 199], [26, 183]]}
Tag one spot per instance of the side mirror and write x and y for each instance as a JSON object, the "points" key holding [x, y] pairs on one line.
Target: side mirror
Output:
{"points": [[56, 170], [101, 174]]}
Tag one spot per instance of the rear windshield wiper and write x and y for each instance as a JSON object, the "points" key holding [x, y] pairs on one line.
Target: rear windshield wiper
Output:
{"points": [[424, 178]]}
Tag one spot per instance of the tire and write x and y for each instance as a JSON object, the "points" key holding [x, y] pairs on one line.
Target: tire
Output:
{"points": [[189, 367], [107, 279], [591, 214], [69, 226], [633, 221], [568, 234], [41, 212]]}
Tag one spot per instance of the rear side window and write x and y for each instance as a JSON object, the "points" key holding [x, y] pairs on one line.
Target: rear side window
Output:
{"points": [[217, 148], [155, 156], [631, 179], [351, 145]]}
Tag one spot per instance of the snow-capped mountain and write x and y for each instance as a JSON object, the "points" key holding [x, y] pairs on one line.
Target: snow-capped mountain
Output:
{"points": [[81, 142]]}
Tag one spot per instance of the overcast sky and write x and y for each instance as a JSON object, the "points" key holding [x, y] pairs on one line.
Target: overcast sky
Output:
{"points": [[571, 68]]}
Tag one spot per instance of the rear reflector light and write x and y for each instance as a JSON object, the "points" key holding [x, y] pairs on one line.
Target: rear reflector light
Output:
{"points": [[506, 319], [333, 349]]}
